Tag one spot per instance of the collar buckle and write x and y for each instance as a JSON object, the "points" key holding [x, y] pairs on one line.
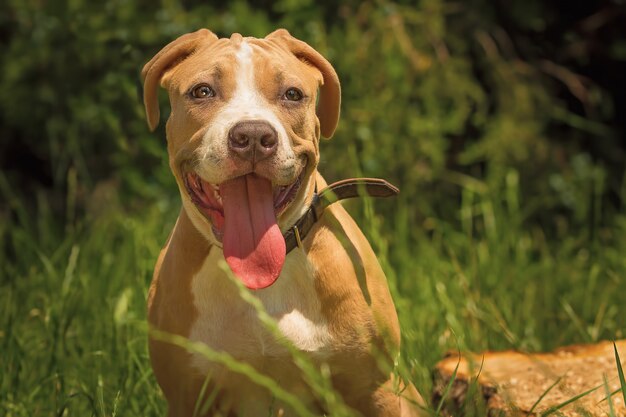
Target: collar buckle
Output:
{"points": [[350, 188]]}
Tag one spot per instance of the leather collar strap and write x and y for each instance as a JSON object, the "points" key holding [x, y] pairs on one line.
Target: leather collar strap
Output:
{"points": [[350, 188]]}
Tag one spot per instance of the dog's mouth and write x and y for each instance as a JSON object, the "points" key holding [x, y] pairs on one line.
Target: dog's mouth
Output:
{"points": [[243, 213], [208, 198]]}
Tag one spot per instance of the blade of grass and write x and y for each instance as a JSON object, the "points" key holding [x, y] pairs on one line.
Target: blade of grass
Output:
{"points": [[449, 386], [608, 395], [199, 402], [620, 372], [317, 379], [576, 320], [544, 394], [101, 395], [236, 366], [557, 407], [474, 403]]}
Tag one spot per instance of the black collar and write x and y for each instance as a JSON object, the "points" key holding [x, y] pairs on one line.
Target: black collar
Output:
{"points": [[350, 188]]}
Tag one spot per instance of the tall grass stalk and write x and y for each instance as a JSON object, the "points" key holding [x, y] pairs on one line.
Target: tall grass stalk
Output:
{"points": [[318, 378], [236, 366], [70, 296]]}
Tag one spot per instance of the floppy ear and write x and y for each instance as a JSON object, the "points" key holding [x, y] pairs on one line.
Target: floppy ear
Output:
{"points": [[168, 57], [330, 90]]}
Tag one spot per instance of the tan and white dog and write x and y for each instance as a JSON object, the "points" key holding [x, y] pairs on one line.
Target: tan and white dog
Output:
{"points": [[243, 141]]}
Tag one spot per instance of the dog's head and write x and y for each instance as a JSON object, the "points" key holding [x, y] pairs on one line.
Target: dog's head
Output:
{"points": [[243, 137]]}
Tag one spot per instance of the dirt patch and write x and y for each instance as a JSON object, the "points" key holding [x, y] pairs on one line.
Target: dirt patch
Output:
{"points": [[512, 382]]}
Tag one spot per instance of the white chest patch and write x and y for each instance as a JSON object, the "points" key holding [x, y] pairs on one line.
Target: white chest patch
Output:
{"points": [[225, 322], [302, 332]]}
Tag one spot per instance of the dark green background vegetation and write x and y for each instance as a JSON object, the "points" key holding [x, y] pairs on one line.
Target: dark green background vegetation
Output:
{"points": [[501, 122]]}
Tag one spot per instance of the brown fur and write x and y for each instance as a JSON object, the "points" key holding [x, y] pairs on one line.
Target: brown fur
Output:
{"points": [[334, 282]]}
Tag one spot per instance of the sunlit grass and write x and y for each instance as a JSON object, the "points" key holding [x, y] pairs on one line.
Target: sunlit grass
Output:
{"points": [[72, 296]]}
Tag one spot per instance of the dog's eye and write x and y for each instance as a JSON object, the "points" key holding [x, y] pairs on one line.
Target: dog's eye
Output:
{"points": [[293, 94], [202, 91]]}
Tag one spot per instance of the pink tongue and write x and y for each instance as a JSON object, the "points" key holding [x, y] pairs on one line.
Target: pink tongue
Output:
{"points": [[254, 247]]}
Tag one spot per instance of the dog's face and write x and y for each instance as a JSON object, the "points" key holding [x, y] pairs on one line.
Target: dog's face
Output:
{"points": [[243, 138]]}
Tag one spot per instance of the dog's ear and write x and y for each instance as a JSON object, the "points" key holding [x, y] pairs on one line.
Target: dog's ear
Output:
{"points": [[167, 58], [330, 90]]}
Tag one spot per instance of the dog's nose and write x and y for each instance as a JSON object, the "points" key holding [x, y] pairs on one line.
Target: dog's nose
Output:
{"points": [[253, 140]]}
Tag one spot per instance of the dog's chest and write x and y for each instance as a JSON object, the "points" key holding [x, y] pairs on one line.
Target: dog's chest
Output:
{"points": [[225, 322]]}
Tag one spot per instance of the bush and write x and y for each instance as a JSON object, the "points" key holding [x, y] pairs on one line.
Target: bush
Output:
{"points": [[432, 94]]}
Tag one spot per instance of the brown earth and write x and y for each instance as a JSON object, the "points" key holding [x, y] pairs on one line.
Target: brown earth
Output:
{"points": [[512, 382]]}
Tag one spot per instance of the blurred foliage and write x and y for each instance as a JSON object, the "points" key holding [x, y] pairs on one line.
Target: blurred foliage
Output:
{"points": [[501, 122], [437, 96]]}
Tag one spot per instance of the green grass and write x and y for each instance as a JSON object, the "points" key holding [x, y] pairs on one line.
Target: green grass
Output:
{"points": [[72, 296]]}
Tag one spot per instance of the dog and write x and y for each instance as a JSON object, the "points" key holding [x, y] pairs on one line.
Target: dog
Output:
{"points": [[243, 142]]}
